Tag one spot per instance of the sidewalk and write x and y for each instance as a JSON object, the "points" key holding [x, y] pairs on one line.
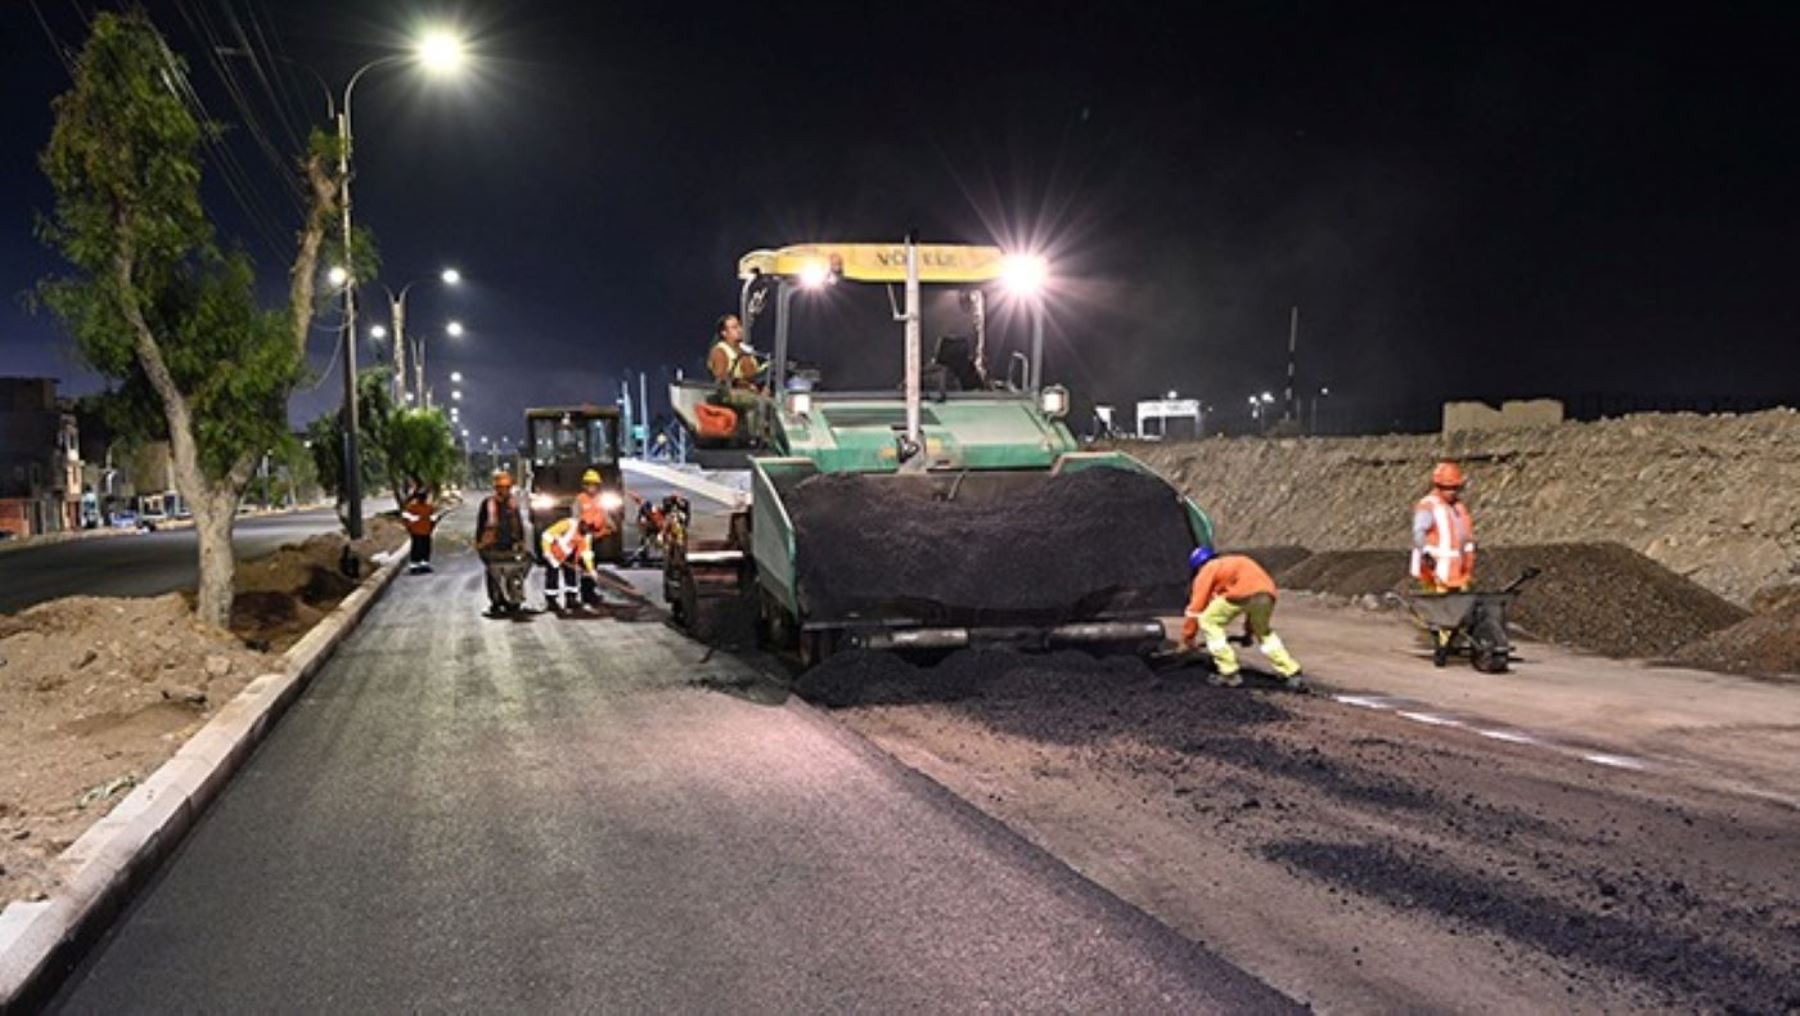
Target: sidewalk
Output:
{"points": [[1728, 731]]}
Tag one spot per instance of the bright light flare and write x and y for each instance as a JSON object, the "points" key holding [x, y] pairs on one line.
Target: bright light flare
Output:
{"points": [[337, 276], [451, 277], [456, 395], [379, 332], [610, 501], [1024, 274], [440, 51], [456, 377], [454, 329], [814, 275]]}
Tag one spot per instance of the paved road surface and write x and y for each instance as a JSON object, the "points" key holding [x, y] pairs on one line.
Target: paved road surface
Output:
{"points": [[595, 814], [142, 565]]}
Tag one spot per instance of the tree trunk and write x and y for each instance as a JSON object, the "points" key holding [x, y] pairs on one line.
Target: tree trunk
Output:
{"points": [[214, 517]]}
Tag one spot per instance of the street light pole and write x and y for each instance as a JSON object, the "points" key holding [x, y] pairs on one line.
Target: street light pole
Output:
{"points": [[353, 521]]}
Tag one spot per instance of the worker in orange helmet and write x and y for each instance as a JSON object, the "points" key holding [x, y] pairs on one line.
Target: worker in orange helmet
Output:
{"points": [[1443, 534], [1225, 587]]}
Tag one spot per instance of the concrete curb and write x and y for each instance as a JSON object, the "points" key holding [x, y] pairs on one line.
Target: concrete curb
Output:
{"points": [[41, 942]]}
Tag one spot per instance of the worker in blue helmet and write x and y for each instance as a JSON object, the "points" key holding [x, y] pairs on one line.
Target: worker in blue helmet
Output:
{"points": [[1227, 586]]}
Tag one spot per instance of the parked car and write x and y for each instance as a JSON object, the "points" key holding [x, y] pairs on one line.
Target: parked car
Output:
{"points": [[126, 519]]}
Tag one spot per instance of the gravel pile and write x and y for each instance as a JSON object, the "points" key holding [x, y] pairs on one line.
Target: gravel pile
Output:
{"points": [[1068, 547]]}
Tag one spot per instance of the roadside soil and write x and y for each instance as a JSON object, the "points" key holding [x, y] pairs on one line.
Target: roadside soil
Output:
{"points": [[97, 692], [1353, 859]]}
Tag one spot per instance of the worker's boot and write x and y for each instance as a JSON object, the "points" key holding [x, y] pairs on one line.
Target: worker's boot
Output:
{"points": [[1231, 680], [1295, 681]]}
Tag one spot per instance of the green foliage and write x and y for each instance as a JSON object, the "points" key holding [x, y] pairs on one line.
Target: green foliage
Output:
{"points": [[374, 406], [397, 445], [123, 162], [362, 245], [419, 449]]}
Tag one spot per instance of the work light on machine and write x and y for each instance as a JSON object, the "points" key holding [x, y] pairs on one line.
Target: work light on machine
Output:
{"points": [[799, 403], [814, 275], [1055, 401], [1024, 274], [542, 502], [611, 501]]}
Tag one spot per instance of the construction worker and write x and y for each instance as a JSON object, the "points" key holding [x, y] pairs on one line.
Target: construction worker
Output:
{"points": [[568, 556], [1226, 586], [502, 538], [419, 516], [734, 368], [590, 511], [1443, 534]]}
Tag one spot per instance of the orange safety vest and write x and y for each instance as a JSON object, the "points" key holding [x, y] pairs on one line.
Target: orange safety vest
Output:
{"points": [[565, 544], [1449, 542], [588, 509]]}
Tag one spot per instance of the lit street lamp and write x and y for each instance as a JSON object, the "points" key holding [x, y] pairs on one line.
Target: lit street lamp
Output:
{"points": [[397, 311], [456, 377], [454, 329], [438, 52]]}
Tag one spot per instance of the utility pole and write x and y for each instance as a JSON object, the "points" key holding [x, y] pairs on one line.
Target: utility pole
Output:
{"points": [[1292, 412], [353, 521], [397, 310]]}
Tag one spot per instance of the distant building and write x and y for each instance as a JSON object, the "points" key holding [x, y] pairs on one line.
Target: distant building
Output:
{"points": [[40, 459]]}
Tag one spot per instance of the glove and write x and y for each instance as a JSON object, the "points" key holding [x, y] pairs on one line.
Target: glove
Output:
{"points": [[1190, 630]]}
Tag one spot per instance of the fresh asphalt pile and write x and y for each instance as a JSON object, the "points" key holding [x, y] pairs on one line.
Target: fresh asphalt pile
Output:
{"points": [[1358, 861], [1069, 546], [1598, 596]]}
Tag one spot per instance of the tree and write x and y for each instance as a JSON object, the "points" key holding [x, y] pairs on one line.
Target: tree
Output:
{"points": [[374, 405], [399, 446], [153, 302], [419, 449]]}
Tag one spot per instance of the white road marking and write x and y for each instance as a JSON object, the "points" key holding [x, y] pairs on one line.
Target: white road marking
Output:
{"points": [[1363, 701], [1616, 761], [1509, 736], [1432, 719]]}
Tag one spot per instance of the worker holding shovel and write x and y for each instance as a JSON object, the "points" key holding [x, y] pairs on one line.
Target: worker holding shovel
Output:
{"points": [[1225, 587]]}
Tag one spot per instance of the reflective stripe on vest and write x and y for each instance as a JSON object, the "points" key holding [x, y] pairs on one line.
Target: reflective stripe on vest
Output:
{"points": [[1448, 539], [731, 359]]}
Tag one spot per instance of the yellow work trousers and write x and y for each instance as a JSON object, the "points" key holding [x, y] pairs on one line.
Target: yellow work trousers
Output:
{"points": [[1257, 612]]}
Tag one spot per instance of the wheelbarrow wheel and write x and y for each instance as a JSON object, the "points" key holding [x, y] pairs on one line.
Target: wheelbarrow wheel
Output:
{"points": [[1491, 661], [1440, 650]]}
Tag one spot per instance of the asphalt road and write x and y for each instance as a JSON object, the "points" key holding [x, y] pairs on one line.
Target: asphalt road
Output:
{"points": [[146, 564], [600, 815]]}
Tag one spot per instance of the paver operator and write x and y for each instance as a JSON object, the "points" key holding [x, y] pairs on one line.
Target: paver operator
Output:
{"points": [[503, 539], [735, 368], [1443, 534], [568, 560], [1225, 587]]}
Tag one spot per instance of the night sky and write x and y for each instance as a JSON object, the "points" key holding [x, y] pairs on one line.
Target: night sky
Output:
{"points": [[1501, 200]]}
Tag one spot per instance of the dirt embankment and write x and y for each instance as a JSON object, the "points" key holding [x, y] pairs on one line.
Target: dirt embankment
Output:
{"points": [[96, 692], [1708, 497]]}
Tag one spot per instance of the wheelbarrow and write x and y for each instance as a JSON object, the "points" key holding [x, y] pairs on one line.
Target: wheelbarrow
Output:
{"points": [[1471, 624]]}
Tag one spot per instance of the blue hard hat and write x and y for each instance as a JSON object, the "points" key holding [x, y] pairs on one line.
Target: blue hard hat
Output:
{"points": [[1200, 556]]}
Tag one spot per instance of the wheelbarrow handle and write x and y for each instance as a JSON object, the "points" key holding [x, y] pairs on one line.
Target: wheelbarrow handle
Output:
{"points": [[1526, 576]]}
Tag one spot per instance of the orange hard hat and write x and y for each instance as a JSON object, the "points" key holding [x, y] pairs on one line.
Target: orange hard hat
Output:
{"points": [[503, 478], [1447, 474]]}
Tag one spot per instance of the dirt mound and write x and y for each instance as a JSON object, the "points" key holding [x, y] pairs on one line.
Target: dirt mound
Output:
{"points": [[1766, 644], [1598, 596], [281, 595], [1702, 495], [1066, 546], [1274, 560], [94, 694]]}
